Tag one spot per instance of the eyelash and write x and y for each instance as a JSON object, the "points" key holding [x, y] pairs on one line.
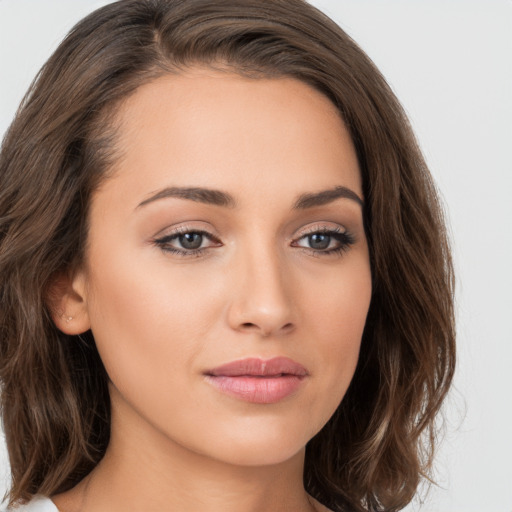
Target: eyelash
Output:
{"points": [[344, 239], [164, 242]]}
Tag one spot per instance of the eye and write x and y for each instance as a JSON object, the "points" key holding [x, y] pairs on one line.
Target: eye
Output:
{"points": [[325, 241], [187, 242], [190, 240]]}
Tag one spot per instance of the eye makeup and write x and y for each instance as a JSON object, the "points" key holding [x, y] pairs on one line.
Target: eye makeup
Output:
{"points": [[189, 242], [325, 241], [185, 241]]}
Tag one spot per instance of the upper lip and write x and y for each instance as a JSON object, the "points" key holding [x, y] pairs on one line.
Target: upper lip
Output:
{"points": [[257, 367]]}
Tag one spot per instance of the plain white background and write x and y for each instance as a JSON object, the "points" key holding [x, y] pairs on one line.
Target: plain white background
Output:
{"points": [[450, 63]]}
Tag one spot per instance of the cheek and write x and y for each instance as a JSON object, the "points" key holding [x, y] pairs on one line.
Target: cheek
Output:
{"points": [[337, 318], [145, 318], [340, 306]]}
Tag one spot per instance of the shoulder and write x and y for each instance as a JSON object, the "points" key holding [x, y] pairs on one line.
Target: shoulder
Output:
{"points": [[37, 504]]}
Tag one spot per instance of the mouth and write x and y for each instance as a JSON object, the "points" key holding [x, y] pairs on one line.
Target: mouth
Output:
{"points": [[258, 381]]}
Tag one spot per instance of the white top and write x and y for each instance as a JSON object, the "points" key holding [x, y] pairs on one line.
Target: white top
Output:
{"points": [[37, 504]]}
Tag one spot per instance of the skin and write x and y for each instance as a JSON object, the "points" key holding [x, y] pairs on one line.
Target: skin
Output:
{"points": [[161, 320]]}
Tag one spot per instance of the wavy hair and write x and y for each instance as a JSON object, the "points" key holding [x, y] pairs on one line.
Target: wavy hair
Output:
{"points": [[378, 445]]}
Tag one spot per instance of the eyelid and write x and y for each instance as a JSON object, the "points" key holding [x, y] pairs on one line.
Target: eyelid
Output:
{"points": [[176, 234], [164, 239], [319, 228], [344, 238], [187, 227]]}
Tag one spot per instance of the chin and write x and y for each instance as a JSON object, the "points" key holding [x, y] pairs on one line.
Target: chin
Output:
{"points": [[259, 454], [260, 443]]}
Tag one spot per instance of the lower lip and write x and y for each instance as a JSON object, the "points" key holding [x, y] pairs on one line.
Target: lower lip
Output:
{"points": [[258, 390]]}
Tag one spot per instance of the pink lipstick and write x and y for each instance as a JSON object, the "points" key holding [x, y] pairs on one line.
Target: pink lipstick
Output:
{"points": [[257, 380]]}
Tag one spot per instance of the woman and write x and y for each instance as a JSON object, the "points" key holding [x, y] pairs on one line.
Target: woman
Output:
{"points": [[225, 280]]}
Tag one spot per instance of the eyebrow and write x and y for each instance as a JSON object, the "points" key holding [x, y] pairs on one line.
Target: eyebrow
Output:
{"points": [[305, 201], [219, 198], [198, 194]]}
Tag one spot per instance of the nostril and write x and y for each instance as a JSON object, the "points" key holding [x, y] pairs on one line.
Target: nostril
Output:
{"points": [[249, 326]]}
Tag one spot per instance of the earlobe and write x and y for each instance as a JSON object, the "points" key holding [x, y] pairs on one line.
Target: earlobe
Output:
{"points": [[67, 301]]}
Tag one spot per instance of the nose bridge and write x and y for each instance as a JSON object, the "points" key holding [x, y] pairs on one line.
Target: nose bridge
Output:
{"points": [[262, 299]]}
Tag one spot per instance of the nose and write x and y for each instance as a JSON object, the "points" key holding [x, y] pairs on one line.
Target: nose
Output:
{"points": [[262, 298]]}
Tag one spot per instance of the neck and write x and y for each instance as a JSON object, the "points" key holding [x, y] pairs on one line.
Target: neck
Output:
{"points": [[143, 479], [153, 473]]}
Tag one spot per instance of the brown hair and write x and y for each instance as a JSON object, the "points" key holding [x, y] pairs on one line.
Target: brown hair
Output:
{"points": [[372, 453]]}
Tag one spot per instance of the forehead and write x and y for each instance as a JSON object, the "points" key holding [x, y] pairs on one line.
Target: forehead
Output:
{"points": [[208, 126]]}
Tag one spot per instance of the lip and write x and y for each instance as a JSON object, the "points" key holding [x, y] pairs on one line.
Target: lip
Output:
{"points": [[258, 380]]}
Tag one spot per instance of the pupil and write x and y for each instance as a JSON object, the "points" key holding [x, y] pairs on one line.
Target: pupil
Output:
{"points": [[319, 241], [191, 240]]}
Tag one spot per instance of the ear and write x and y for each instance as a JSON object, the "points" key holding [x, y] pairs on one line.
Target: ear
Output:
{"points": [[67, 301]]}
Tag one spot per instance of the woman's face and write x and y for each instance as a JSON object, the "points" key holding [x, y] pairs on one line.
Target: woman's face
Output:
{"points": [[229, 235]]}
